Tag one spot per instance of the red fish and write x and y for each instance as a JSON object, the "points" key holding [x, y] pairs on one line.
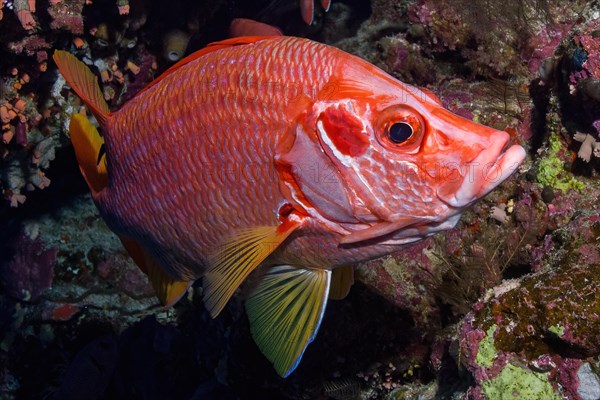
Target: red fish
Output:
{"points": [[248, 27], [307, 9], [280, 158]]}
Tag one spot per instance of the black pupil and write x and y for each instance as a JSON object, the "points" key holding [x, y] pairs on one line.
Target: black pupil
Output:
{"points": [[400, 132]]}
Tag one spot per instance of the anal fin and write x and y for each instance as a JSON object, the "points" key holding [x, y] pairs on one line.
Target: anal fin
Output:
{"points": [[342, 279], [168, 290], [285, 311]]}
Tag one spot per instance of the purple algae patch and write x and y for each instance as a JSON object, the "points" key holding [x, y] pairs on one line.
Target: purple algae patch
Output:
{"points": [[30, 270]]}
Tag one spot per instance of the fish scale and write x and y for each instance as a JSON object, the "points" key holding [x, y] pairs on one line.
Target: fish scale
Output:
{"points": [[287, 171], [158, 161]]}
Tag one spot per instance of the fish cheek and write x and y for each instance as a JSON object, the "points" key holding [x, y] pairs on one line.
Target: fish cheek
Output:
{"points": [[344, 130]]}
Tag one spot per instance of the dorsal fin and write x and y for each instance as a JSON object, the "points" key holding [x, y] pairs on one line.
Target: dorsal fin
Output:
{"points": [[84, 83], [236, 41]]}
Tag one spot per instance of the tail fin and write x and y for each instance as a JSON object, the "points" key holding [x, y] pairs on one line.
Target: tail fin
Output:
{"points": [[84, 83], [88, 143]]}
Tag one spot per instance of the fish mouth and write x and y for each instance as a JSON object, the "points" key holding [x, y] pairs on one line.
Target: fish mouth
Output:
{"points": [[402, 231], [490, 168]]}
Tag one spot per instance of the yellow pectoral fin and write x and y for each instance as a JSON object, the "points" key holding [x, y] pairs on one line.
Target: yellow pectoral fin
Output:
{"points": [[285, 311], [342, 279], [168, 290], [238, 257], [87, 143]]}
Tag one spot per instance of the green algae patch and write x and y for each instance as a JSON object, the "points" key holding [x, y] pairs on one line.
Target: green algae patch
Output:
{"points": [[557, 330], [553, 300], [487, 350], [518, 383], [551, 170]]}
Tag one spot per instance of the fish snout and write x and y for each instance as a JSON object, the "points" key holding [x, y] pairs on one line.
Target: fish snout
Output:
{"points": [[490, 167]]}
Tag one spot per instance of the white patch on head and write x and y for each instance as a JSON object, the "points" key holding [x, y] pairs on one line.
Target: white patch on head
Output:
{"points": [[314, 213], [349, 162]]}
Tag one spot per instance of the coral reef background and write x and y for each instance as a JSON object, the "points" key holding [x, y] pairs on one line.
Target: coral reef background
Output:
{"points": [[506, 305]]}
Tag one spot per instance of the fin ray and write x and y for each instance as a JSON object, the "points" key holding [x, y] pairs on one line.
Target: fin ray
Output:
{"points": [[237, 258], [285, 311], [84, 83]]}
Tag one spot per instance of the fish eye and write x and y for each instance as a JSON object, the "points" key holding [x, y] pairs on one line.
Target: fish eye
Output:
{"points": [[400, 128], [129, 43], [173, 56], [400, 132]]}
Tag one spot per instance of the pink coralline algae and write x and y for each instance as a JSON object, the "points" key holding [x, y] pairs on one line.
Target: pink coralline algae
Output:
{"points": [[520, 32], [572, 71], [117, 269], [540, 318], [67, 16], [539, 54], [406, 279], [30, 270], [588, 40]]}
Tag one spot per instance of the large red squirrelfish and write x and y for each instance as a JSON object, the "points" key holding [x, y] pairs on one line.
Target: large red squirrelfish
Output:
{"points": [[280, 158]]}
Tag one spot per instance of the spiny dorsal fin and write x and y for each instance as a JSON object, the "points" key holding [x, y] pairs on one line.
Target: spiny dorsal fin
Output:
{"points": [[237, 258], [87, 143], [84, 83], [168, 290], [236, 41], [285, 311], [342, 279]]}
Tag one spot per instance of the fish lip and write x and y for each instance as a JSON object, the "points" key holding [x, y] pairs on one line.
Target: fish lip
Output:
{"points": [[506, 164], [486, 171]]}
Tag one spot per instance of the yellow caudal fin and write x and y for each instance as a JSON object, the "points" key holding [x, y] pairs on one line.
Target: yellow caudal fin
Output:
{"points": [[168, 290], [237, 258], [88, 143], [342, 279], [285, 311], [84, 83]]}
